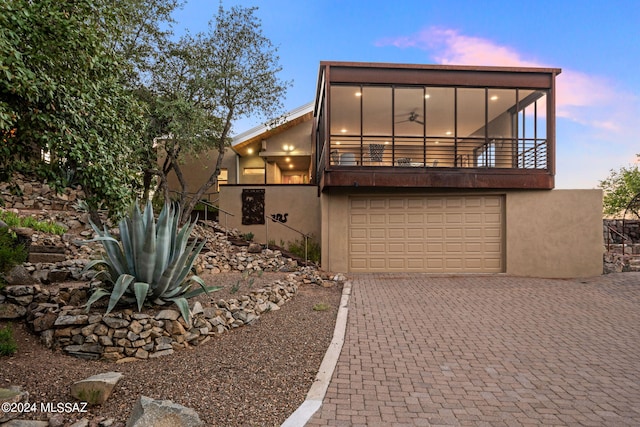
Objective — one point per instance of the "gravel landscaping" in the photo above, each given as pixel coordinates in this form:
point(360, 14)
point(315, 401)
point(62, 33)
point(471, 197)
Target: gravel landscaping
point(256, 375)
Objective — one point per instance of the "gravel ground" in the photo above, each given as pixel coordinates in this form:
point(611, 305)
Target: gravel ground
point(256, 375)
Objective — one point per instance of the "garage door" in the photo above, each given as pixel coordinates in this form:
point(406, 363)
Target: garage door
point(444, 234)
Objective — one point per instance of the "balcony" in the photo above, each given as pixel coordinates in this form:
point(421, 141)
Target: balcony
point(382, 125)
point(441, 162)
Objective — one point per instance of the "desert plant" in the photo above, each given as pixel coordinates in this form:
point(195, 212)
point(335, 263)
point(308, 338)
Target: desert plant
point(321, 306)
point(8, 344)
point(12, 252)
point(313, 249)
point(13, 220)
point(150, 263)
point(248, 279)
point(247, 236)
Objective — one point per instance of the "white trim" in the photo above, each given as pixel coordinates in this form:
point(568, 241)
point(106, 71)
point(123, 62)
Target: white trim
point(252, 133)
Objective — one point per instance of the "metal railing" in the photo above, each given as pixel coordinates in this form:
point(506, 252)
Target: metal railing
point(611, 230)
point(226, 214)
point(304, 235)
point(425, 152)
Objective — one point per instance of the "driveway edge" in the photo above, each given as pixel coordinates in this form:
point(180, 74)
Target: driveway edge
point(318, 389)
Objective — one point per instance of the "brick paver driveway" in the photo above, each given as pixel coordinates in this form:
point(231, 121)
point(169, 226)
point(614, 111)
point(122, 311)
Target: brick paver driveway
point(488, 351)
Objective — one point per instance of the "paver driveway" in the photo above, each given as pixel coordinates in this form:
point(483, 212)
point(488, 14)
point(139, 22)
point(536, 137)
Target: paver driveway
point(488, 351)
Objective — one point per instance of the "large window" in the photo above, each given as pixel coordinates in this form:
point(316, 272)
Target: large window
point(425, 126)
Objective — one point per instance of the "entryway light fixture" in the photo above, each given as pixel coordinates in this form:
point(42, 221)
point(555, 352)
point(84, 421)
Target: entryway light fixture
point(288, 148)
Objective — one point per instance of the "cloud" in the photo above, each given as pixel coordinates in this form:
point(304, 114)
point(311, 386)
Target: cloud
point(583, 98)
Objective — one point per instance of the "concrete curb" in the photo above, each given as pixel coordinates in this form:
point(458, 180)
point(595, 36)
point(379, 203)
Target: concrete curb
point(318, 389)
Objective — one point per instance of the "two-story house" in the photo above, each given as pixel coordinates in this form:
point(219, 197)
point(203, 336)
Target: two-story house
point(421, 168)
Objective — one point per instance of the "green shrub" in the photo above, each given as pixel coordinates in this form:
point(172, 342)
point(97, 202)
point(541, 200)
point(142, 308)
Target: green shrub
point(151, 262)
point(8, 344)
point(313, 249)
point(12, 253)
point(13, 220)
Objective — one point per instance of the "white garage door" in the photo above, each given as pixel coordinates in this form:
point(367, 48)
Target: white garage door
point(440, 234)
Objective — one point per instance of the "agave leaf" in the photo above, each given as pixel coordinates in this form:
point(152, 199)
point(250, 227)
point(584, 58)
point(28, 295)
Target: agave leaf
point(115, 257)
point(183, 306)
point(119, 288)
point(189, 263)
point(127, 248)
point(136, 227)
point(163, 242)
point(140, 289)
point(202, 289)
point(168, 281)
point(91, 264)
point(99, 293)
point(104, 276)
point(147, 257)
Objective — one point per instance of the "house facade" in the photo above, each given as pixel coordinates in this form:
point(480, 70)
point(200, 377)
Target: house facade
point(420, 168)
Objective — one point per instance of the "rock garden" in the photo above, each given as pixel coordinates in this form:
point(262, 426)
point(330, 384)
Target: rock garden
point(223, 351)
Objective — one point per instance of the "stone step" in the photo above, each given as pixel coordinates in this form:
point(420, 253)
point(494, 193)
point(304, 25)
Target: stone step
point(46, 254)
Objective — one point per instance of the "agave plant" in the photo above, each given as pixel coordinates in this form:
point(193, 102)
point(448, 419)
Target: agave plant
point(151, 263)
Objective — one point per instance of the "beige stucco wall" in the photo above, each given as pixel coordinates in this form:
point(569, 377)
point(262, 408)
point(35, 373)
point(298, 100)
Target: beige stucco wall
point(196, 171)
point(300, 202)
point(554, 233)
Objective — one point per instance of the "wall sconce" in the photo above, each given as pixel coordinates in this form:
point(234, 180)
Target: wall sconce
point(288, 148)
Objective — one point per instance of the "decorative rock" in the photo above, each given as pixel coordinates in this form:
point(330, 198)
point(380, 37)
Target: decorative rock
point(254, 248)
point(64, 320)
point(11, 311)
point(167, 315)
point(19, 275)
point(26, 423)
point(151, 413)
point(114, 322)
point(96, 389)
point(12, 395)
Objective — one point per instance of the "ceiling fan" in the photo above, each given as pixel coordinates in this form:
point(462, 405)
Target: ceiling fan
point(413, 117)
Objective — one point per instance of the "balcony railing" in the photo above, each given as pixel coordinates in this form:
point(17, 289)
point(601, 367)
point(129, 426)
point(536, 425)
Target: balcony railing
point(503, 153)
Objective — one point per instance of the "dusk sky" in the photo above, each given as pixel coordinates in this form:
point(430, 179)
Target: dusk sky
point(595, 43)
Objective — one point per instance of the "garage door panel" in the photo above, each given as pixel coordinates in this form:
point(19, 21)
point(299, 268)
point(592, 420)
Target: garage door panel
point(376, 233)
point(430, 233)
point(396, 233)
point(378, 204)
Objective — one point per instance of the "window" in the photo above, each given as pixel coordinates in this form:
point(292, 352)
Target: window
point(402, 125)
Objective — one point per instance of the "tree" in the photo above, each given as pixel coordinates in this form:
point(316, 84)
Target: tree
point(620, 187)
point(206, 82)
point(66, 72)
point(62, 95)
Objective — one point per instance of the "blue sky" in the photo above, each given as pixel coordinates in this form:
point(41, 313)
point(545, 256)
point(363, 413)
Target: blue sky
point(596, 43)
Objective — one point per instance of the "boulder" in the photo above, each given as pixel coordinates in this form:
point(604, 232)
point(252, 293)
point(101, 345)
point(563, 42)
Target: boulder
point(12, 311)
point(11, 395)
point(96, 389)
point(160, 413)
point(19, 275)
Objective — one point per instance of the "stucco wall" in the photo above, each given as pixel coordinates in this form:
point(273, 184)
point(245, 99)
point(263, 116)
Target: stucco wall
point(554, 233)
point(300, 202)
point(196, 171)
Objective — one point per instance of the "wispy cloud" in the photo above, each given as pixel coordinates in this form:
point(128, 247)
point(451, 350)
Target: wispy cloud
point(583, 98)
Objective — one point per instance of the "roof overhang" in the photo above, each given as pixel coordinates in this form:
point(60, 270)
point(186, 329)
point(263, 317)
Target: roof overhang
point(290, 119)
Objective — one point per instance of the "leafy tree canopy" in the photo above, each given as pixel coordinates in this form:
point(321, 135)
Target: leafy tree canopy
point(203, 83)
point(620, 187)
point(64, 69)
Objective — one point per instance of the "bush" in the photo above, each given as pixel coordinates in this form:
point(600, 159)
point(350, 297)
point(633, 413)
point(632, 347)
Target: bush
point(8, 345)
point(313, 249)
point(13, 220)
point(12, 252)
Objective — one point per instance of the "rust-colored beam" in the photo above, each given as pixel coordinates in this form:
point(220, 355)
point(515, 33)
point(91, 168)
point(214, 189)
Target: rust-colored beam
point(438, 178)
